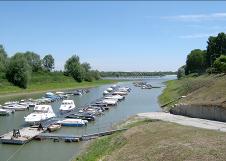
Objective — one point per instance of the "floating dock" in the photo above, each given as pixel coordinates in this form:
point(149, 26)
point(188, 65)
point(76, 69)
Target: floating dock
point(25, 135)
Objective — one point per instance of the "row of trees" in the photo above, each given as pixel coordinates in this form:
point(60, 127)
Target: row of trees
point(18, 68)
point(80, 71)
point(134, 74)
point(211, 60)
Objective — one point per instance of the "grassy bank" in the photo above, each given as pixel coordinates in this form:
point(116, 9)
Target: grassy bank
point(202, 90)
point(157, 140)
point(42, 82)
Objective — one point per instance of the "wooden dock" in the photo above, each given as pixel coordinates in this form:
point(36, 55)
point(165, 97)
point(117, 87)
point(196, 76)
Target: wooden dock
point(25, 135)
point(74, 138)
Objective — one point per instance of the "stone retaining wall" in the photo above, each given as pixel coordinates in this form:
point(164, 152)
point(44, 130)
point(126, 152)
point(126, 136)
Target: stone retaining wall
point(204, 112)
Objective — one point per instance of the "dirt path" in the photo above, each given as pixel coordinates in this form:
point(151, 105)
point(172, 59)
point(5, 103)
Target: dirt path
point(187, 121)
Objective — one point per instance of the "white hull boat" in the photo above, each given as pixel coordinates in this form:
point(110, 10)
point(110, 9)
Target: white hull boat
point(41, 112)
point(5, 112)
point(15, 107)
point(120, 93)
point(73, 122)
point(105, 92)
point(109, 89)
point(110, 101)
point(115, 97)
point(67, 105)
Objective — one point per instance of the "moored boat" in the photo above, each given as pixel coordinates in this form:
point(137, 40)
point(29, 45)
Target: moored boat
point(15, 107)
point(54, 127)
point(41, 112)
point(73, 122)
point(5, 112)
point(105, 92)
point(67, 105)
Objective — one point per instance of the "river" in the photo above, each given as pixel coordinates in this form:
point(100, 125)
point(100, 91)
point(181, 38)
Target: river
point(139, 100)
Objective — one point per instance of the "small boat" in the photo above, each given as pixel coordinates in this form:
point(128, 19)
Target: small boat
point(67, 105)
point(115, 97)
point(114, 86)
point(109, 89)
point(54, 127)
point(105, 92)
point(119, 93)
point(5, 112)
point(15, 107)
point(82, 116)
point(110, 101)
point(41, 112)
point(73, 122)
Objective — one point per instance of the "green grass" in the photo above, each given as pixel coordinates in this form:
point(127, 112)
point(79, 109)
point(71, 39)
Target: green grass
point(102, 146)
point(159, 141)
point(48, 81)
point(42, 82)
point(201, 90)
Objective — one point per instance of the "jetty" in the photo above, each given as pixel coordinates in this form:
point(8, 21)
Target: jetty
point(75, 138)
point(21, 136)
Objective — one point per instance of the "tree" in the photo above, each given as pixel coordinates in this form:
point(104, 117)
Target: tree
point(196, 62)
point(95, 74)
point(181, 72)
point(86, 66)
point(33, 60)
point(215, 48)
point(48, 62)
point(18, 71)
point(220, 64)
point(3, 59)
point(74, 68)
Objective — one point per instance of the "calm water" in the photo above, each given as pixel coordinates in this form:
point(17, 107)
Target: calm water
point(137, 101)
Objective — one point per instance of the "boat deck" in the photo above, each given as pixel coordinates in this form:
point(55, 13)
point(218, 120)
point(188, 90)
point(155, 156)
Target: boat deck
point(26, 134)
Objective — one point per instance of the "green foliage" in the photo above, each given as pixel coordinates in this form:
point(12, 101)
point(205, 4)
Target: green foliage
point(3, 59)
point(134, 74)
point(86, 66)
point(74, 68)
point(48, 62)
point(216, 47)
point(220, 64)
point(181, 72)
point(33, 60)
point(18, 71)
point(196, 62)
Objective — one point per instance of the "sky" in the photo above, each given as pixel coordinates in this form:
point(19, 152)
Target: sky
point(112, 35)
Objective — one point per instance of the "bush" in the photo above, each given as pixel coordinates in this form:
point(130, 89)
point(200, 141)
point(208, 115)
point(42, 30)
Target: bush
point(18, 71)
point(220, 64)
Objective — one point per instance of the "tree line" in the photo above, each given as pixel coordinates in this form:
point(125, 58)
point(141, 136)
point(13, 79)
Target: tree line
point(134, 74)
point(18, 68)
point(211, 60)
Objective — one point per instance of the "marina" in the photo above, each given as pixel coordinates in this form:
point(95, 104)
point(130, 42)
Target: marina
point(136, 101)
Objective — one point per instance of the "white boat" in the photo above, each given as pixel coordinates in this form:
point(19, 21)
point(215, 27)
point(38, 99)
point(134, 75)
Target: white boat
point(115, 97)
point(15, 107)
point(73, 122)
point(124, 89)
point(114, 86)
point(67, 105)
point(41, 112)
point(109, 89)
point(120, 93)
point(105, 92)
point(4, 112)
point(110, 101)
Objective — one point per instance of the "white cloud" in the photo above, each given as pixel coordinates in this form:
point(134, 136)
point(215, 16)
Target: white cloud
point(195, 36)
point(197, 17)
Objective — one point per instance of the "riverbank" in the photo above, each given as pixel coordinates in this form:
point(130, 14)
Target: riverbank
point(148, 139)
point(10, 92)
point(205, 90)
